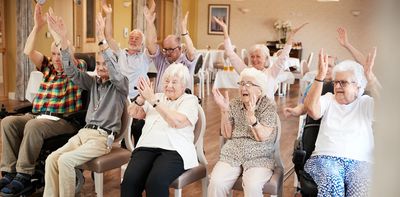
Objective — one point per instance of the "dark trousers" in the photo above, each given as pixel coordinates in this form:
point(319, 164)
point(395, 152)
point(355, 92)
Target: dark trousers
point(136, 130)
point(153, 170)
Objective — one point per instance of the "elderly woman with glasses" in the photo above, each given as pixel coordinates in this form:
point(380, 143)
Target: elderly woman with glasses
point(249, 123)
point(165, 149)
point(260, 58)
point(341, 162)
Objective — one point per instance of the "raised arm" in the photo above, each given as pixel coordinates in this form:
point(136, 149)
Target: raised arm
point(151, 33)
point(35, 56)
point(236, 61)
point(312, 101)
point(344, 41)
point(190, 50)
point(373, 85)
point(108, 26)
point(223, 103)
point(82, 79)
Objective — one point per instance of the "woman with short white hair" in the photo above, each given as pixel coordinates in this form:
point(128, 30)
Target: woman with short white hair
point(341, 162)
point(249, 123)
point(165, 149)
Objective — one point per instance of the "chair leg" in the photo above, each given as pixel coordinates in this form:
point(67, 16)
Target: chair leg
point(204, 186)
point(178, 193)
point(98, 184)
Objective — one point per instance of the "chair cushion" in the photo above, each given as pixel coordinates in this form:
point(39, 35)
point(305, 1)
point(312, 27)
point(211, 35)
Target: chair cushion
point(189, 176)
point(271, 187)
point(115, 159)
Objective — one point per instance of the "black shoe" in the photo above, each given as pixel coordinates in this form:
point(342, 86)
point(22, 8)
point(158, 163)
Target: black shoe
point(6, 179)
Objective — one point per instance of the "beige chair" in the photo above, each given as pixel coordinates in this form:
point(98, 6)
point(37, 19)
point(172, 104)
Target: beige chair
point(274, 186)
point(116, 158)
point(204, 76)
point(200, 172)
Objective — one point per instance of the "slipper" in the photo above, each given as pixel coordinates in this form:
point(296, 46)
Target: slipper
point(16, 187)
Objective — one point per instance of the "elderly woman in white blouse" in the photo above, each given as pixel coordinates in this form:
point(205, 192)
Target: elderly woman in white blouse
point(260, 58)
point(341, 162)
point(165, 149)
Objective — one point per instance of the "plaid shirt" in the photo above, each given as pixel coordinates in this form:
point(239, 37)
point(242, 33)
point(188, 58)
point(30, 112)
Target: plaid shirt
point(57, 93)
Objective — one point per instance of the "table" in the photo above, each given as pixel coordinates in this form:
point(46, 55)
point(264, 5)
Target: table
point(291, 62)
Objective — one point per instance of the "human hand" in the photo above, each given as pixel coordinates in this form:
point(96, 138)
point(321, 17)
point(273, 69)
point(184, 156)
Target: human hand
point(40, 18)
point(322, 65)
point(291, 112)
point(100, 26)
point(56, 25)
point(222, 102)
point(145, 88)
point(222, 24)
point(184, 23)
point(370, 64)
point(150, 14)
point(342, 37)
point(107, 9)
point(294, 31)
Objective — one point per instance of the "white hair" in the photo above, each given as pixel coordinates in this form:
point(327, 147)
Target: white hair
point(140, 32)
point(264, 49)
point(259, 77)
point(177, 70)
point(358, 73)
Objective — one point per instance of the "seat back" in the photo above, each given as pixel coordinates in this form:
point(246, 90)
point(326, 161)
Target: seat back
point(35, 79)
point(199, 131)
point(125, 132)
point(199, 64)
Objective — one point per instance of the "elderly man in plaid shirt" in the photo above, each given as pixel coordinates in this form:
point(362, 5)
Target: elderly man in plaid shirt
point(23, 136)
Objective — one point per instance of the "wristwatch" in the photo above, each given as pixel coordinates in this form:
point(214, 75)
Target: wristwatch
point(253, 125)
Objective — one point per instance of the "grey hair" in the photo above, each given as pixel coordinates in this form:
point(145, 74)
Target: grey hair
point(177, 70)
point(140, 32)
point(264, 49)
point(259, 77)
point(358, 73)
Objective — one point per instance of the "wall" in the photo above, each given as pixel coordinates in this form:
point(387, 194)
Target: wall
point(256, 26)
point(121, 19)
point(11, 43)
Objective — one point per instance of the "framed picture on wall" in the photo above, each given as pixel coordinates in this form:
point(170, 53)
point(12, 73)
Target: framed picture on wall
point(221, 11)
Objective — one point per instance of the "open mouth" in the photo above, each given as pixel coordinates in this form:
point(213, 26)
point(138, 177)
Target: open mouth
point(245, 94)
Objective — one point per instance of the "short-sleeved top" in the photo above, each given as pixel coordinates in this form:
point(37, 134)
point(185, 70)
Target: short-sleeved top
point(57, 93)
point(242, 148)
point(162, 64)
point(156, 132)
point(133, 66)
point(346, 130)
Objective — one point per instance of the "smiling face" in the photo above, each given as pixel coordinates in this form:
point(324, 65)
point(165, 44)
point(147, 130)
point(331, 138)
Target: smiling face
point(173, 87)
point(258, 59)
point(345, 87)
point(249, 89)
point(135, 40)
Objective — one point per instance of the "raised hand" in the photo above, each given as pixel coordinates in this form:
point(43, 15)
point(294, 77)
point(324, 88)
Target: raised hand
point(294, 31)
point(184, 23)
point(145, 89)
point(370, 62)
point(222, 24)
point(322, 65)
point(40, 18)
point(342, 36)
point(100, 26)
point(106, 8)
point(222, 102)
point(150, 13)
point(56, 24)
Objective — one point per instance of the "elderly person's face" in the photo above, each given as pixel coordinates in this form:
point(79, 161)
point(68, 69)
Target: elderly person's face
point(258, 59)
point(56, 57)
point(135, 40)
point(101, 67)
point(171, 49)
point(345, 87)
point(248, 89)
point(173, 87)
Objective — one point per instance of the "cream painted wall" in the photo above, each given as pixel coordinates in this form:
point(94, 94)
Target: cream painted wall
point(256, 26)
point(122, 19)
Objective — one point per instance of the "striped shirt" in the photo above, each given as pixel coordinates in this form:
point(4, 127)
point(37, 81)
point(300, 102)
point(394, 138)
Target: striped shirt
point(57, 93)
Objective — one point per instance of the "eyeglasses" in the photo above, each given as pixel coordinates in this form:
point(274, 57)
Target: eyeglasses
point(169, 50)
point(247, 84)
point(343, 83)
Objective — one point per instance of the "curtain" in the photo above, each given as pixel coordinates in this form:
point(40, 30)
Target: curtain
point(138, 21)
point(176, 18)
point(24, 67)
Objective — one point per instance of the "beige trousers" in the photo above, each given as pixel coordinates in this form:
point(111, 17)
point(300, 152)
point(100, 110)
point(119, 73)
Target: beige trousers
point(22, 138)
point(60, 165)
point(224, 176)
